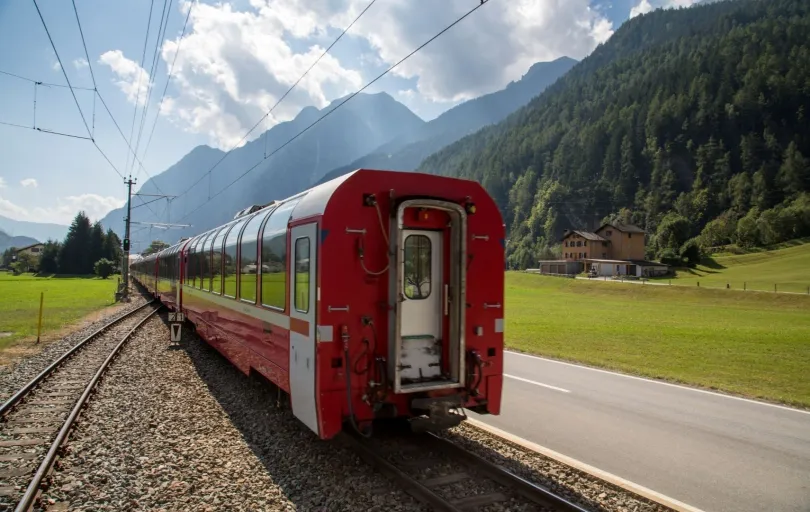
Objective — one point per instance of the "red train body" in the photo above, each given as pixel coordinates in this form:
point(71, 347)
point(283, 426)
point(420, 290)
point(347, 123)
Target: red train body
point(378, 294)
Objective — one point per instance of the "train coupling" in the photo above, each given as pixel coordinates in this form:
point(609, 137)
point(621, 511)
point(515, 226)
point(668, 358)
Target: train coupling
point(439, 413)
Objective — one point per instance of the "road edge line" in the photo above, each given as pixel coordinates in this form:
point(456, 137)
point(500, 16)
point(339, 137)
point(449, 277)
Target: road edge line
point(625, 484)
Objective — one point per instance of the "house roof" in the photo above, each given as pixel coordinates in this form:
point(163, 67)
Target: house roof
point(621, 226)
point(587, 235)
point(21, 249)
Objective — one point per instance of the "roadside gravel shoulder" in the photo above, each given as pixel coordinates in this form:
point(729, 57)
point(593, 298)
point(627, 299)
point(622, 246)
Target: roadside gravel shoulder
point(575, 485)
point(177, 427)
point(20, 371)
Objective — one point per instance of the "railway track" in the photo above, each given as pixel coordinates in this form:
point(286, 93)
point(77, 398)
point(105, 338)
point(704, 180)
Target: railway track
point(449, 478)
point(36, 420)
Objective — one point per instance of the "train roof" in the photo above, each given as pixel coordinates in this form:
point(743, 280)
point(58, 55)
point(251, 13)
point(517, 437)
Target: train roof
point(311, 202)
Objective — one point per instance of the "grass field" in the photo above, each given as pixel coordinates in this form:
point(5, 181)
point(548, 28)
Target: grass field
point(752, 344)
point(787, 267)
point(66, 300)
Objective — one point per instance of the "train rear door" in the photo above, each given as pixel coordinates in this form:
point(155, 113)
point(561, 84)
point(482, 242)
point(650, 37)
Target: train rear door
point(303, 265)
point(429, 290)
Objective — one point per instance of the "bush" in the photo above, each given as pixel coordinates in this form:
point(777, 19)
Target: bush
point(670, 257)
point(103, 268)
point(691, 252)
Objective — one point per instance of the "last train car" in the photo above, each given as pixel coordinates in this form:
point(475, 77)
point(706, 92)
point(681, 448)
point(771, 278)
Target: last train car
point(378, 294)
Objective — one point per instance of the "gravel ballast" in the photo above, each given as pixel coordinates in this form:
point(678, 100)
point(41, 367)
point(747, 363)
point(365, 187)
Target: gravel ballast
point(177, 427)
point(16, 375)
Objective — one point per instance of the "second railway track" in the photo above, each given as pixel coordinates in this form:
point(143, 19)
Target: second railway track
point(36, 420)
point(449, 478)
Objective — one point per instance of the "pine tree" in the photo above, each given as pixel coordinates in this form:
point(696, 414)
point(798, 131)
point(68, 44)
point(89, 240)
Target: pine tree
point(74, 256)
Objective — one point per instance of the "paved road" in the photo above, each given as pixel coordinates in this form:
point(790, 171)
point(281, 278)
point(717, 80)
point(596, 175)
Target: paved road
point(707, 450)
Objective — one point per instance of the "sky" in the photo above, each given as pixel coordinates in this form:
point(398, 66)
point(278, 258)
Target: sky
point(234, 62)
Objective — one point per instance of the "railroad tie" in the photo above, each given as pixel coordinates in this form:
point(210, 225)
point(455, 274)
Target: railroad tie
point(472, 502)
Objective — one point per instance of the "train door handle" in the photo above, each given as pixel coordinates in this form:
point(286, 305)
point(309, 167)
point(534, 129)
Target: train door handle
point(307, 363)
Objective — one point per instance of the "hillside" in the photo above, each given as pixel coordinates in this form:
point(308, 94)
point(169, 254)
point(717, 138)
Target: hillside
point(362, 124)
point(42, 231)
point(786, 267)
point(407, 151)
point(683, 117)
point(7, 241)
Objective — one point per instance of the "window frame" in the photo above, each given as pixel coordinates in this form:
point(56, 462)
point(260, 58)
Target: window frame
point(287, 206)
point(430, 264)
point(295, 273)
point(240, 223)
point(258, 256)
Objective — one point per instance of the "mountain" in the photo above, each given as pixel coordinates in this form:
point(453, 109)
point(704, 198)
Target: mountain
point(359, 126)
point(691, 123)
point(407, 151)
point(19, 242)
point(38, 230)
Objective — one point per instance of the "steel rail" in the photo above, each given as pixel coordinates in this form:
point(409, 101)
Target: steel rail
point(33, 487)
point(503, 476)
point(410, 484)
point(23, 392)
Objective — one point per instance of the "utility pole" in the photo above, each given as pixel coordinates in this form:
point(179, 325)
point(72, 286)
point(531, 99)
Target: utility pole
point(125, 264)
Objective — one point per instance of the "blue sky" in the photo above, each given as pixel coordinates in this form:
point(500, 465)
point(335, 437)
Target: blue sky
point(234, 62)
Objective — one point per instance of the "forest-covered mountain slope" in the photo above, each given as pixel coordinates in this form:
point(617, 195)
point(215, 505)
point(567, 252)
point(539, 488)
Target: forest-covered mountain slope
point(692, 123)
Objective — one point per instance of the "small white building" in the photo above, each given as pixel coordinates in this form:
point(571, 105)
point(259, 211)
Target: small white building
point(634, 268)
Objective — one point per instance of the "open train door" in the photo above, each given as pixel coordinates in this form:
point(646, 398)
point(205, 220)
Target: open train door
point(303, 266)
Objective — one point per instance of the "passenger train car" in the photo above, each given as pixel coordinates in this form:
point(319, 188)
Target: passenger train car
point(378, 294)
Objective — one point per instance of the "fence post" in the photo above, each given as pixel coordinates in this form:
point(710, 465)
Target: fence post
point(744, 285)
point(698, 284)
point(774, 287)
point(39, 327)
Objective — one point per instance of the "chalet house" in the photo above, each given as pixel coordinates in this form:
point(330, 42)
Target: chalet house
point(35, 250)
point(615, 249)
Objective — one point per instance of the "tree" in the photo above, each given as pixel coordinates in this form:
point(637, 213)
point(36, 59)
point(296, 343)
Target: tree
point(96, 249)
point(8, 256)
point(73, 256)
point(691, 253)
point(49, 259)
point(155, 246)
point(112, 247)
point(103, 268)
point(25, 262)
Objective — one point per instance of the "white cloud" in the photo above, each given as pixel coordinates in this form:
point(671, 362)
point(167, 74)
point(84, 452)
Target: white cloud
point(64, 209)
point(81, 63)
point(132, 79)
point(645, 6)
point(234, 64)
point(55, 66)
point(29, 182)
point(2, 182)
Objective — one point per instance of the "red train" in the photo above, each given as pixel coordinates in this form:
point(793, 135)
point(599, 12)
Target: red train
point(378, 294)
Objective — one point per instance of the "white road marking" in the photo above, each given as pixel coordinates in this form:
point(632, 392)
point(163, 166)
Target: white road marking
point(586, 468)
point(549, 386)
point(697, 390)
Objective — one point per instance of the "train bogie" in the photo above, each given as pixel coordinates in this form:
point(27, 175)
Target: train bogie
point(377, 294)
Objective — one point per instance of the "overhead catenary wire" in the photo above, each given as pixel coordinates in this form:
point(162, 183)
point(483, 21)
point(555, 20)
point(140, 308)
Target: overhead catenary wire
point(348, 98)
point(140, 73)
point(72, 92)
point(168, 79)
point(164, 23)
point(266, 115)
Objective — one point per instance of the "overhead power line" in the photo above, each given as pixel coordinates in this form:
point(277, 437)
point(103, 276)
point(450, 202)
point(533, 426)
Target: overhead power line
point(479, 5)
point(72, 92)
point(140, 72)
point(279, 100)
point(168, 79)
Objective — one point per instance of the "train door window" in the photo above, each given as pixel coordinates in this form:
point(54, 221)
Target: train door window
point(248, 259)
point(229, 260)
point(418, 264)
point(274, 257)
point(216, 261)
point(302, 275)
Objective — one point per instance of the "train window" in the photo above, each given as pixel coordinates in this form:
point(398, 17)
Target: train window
point(274, 257)
point(204, 256)
point(207, 276)
point(302, 275)
point(216, 261)
point(248, 259)
point(417, 262)
point(191, 277)
point(229, 259)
